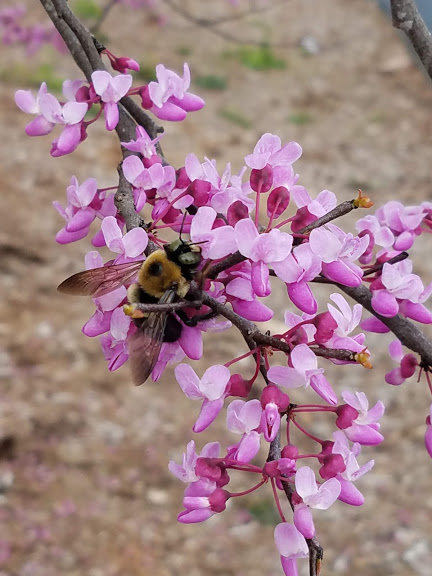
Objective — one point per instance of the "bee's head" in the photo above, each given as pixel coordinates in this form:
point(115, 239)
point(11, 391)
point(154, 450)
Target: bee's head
point(185, 254)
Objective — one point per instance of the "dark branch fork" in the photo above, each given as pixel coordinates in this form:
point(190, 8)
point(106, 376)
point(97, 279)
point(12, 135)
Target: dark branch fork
point(84, 50)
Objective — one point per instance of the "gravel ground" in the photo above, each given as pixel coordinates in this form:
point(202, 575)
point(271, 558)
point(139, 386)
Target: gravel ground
point(84, 483)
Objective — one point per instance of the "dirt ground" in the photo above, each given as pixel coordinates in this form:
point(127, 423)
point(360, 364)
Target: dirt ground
point(84, 484)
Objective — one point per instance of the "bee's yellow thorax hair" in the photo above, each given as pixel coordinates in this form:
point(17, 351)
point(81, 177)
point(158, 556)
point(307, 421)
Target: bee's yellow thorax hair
point(159, 274)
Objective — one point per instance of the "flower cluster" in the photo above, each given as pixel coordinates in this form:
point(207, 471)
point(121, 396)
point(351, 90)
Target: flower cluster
point(257, 224)
point(168, 99)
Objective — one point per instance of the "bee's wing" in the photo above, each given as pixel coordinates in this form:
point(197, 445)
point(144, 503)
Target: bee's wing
point(145, 344)
point(99, 281)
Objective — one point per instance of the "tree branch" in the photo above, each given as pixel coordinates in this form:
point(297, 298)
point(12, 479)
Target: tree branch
point(406, 17)
point(402, 328)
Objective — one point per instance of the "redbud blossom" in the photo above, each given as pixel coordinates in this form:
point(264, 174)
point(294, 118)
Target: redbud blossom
point(111, 89)
point(210, 388)
point(364, 429)
point(338, 251)
point(291, 545)
point(312, 496)
point(186, 471)
point(296, 270)
point(396, 282)
point(408, 364)
point(143, 144)
point(131, 245)
point(244, 418)
point(269, 150)
point(218, 242)
point(304, 372)
point(349, 493)
point(168, 98)
point(197, 502)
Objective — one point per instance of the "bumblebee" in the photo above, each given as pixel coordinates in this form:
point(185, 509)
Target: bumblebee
point(163, 277)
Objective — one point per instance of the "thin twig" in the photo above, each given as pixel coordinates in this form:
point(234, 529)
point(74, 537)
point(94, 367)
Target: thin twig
point(167, 307)
point(211, 25)
point(105, 11)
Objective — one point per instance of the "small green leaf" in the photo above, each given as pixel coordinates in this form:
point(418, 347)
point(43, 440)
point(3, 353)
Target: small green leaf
point(211, 82)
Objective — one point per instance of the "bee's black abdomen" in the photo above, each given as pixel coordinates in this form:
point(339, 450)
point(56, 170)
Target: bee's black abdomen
point(173, 329)
point(146, 298)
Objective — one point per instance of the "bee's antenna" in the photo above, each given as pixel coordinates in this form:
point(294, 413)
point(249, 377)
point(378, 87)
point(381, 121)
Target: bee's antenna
point(181, 227)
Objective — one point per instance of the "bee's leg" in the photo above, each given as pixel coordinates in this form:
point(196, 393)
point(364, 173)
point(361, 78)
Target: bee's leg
point(194, 320)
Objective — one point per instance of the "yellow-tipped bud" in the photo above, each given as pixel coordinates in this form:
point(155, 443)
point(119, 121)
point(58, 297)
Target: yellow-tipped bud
point(363, 358)
point(362, 201)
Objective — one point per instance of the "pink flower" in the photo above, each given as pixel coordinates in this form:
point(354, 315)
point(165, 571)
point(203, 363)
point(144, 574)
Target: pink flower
point(396, 283)
point(263, 250)
point(111, 90)
point(304, 372)
point(407, 364)
point(186, 471)
point(50, 112)
point(403, 221)
point(346, 321)
point(131, 245)
point(158, 177)
point(202, 499)
point(338, 251)
point(364, 429)
point(84, 204)
point(210, 389)
point(269, 150)
point(30, 104)
point(378, 234)
point(312, 496)
point(291, 545)
point(349, 493)
point(240, 294)
point(322, 204)
point(217, 242)
point(244, 418)
point(168, 98)
point(273, 402)
point(143, 144)
point(114, 344)
point(299, 268)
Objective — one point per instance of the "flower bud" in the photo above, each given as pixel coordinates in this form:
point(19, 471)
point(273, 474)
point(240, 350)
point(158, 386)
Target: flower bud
point(333, 464)
point(218, 499)
point(408, 365)
point(237, 211)
point(325, 325)
point(346, 415)
point(290, 451)
point(238, 386)
point(278, 201)
point(261, 180)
